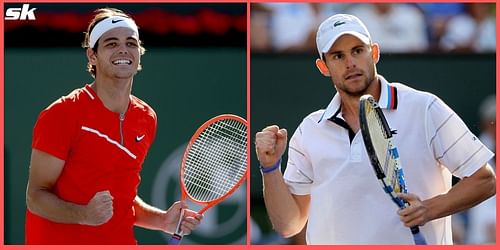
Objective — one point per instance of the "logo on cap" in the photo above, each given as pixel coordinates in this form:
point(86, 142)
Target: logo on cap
point(116, 20)
point(338, 23)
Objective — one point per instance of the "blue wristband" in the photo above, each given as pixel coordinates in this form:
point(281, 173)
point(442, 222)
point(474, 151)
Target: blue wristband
point(271, 168)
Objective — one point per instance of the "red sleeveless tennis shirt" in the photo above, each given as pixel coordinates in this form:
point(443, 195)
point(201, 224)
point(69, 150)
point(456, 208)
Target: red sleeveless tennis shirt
point(101, 152)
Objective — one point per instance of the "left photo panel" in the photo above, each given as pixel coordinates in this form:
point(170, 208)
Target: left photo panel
point(125, 123)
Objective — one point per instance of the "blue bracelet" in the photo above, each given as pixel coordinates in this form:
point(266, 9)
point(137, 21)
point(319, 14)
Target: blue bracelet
point(270, 169)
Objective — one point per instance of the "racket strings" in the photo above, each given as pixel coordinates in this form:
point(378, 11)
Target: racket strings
point(204, 183)
point(217, 160)
point(203, 186)
point(383, 148)
point(230, 139)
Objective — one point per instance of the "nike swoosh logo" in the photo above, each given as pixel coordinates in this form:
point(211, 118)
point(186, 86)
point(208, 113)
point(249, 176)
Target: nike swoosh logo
point(116, 20)
point(338, 23)
point(139, 138)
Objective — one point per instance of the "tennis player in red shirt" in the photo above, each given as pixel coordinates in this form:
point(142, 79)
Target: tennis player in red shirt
point(88, 149)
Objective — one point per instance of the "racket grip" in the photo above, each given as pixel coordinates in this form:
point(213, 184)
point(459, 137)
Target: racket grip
point(418, 237)
point(175, 240)
point(177, 236)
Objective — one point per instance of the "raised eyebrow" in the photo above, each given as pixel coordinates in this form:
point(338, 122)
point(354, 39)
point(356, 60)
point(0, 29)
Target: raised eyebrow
point(333, 53)
point(110, 39)
point(132, 38)
point(358, 46)
point(116, 39)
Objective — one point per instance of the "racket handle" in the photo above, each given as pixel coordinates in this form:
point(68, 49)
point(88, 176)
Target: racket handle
point(175, 240)
point(418, 237)
point(177, 236)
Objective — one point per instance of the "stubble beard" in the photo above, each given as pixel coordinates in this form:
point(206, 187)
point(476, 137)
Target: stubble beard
point(359, 91)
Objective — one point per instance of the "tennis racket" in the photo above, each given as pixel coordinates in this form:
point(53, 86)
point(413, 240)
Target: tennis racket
point(383, 154)
point(214, 164)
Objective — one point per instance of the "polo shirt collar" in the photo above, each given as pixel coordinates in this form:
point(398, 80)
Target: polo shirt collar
point(388, 96)
point(388, 99)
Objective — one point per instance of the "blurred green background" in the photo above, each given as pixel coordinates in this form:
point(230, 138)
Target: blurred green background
point(185, 87)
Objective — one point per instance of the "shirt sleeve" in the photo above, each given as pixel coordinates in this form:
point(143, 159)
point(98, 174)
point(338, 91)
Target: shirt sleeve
point(298, 173)
point(54, 130)
point(452, 143)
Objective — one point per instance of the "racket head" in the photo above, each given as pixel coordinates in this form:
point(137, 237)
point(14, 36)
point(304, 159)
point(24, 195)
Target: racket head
point(380, 148)
point(383, 154)
point(214, 163)
point(374, 128)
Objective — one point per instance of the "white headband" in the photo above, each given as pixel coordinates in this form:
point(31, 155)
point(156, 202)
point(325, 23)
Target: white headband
point(111, 23)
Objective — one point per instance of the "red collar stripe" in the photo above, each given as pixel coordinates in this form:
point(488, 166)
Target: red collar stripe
point(392, 97)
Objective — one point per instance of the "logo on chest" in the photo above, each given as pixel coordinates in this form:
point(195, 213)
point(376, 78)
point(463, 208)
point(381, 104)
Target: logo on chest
point(139, 138)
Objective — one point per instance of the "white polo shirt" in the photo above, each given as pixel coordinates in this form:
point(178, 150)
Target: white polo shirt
point(348, 206)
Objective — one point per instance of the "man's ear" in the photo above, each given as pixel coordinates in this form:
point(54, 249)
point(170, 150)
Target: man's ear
point(91, 56)
point(375, 53)
point(322, 67)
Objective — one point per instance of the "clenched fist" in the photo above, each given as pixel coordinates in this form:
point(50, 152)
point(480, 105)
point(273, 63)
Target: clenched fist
point(270, 144)
point(99, 210)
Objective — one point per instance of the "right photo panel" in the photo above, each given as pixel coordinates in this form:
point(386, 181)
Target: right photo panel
point(373, 123)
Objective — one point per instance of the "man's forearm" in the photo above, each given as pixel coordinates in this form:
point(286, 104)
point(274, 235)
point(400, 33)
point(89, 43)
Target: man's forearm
point(47, 205)
point(145, 215)
point(282, 208)
point(467, 193)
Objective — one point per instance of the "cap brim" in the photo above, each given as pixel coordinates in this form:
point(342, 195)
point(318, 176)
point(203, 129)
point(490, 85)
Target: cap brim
point(330, 43)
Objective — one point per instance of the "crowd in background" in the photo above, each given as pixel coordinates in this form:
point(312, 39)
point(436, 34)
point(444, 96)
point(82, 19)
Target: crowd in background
point(397, 27)
point(477, 225)
point(162, 24)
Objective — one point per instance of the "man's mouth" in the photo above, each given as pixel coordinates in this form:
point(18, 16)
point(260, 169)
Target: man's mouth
point(122, 62)
point(353, 75)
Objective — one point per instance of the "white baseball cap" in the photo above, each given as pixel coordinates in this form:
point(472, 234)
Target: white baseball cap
point(337, 25)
